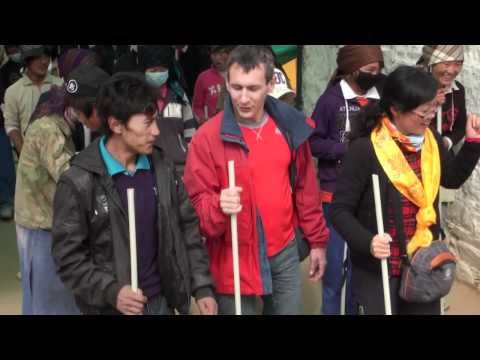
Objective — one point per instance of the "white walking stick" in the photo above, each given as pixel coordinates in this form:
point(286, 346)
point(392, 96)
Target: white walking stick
point(439, 129)
point(133, 238)
point(378, 211)
point(233, 221)
point(205, 112)
point(439, 120)
point(344, 287)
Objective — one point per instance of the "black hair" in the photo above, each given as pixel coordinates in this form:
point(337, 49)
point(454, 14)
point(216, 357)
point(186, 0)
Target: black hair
point(122, 96)
point(405, 89)
point(29, 59)
point(220, 48)
point(81, 103)
point(249, 57)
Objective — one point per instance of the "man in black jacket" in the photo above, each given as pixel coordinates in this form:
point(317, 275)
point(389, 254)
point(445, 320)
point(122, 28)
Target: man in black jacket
point(90, 226)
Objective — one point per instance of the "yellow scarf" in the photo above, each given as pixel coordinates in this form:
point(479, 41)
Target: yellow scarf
point(406, 181)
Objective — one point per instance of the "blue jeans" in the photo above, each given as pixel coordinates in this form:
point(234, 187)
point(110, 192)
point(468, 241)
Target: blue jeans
point(7, 170)
point(332, 282)
point(43, 291)
point(158, 306)
point(286, 281)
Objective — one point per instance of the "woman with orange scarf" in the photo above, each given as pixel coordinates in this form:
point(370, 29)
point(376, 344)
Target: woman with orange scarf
point(393, 139)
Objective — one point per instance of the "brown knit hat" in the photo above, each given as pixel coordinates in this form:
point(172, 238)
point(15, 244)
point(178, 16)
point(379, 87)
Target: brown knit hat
point(350, 58)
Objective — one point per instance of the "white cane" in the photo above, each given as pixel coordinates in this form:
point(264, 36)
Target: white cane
point(205, 112)
point(439, 120)
point(233, 221)
point(378, 211)
point(344, 287)
point(133, 238)
point(439, 130)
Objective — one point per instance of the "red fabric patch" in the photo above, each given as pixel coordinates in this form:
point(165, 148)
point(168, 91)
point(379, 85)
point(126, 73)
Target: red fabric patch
point(475, 140)
point(362, 101)
point(311, 123)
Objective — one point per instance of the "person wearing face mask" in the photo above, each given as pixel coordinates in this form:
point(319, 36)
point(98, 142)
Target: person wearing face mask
point(392, 138)
point(445, 63)
point(353, 85)
point(22, 97)
point(47, 150)
point(176, 123)
point(209, 83)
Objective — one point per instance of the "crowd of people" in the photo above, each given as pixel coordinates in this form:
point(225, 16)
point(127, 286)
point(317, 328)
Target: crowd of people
point(89, 122)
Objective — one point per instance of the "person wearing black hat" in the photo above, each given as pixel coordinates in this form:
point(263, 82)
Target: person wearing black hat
point(46, 153)
point(176, 123)
point(90, 226)
point(22, 97)
point(210, 82)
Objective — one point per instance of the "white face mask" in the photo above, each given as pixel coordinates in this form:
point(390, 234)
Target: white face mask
point(417, 141)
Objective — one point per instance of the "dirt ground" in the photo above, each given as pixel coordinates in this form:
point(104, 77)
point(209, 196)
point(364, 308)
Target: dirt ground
point(463, 299)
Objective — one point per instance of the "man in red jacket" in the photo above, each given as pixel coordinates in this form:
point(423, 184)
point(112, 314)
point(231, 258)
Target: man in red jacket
point(276, 191)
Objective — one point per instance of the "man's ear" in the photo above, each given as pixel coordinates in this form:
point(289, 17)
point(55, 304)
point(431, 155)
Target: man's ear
point(115, 125)
point(271, 85)
point(94, 121)
point(394, 111)
point(227, 86)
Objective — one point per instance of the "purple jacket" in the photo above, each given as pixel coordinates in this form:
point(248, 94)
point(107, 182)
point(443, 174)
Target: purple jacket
point(329, 140)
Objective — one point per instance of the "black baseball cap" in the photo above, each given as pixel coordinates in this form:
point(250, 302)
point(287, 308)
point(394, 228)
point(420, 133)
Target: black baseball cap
point(85, 81)
point(29, 51)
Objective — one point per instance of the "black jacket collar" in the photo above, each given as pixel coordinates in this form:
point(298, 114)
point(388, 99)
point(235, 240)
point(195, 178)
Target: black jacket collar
point(90, 159)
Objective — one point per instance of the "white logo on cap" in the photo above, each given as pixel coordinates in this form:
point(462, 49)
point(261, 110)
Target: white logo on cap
point(72, 86)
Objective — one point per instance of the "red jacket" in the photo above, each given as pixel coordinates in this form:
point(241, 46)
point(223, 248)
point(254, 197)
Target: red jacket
point(206, 175)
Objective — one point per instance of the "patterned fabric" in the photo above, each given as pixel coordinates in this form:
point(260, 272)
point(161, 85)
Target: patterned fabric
point(435, 54)
point(421, 192)
point(409, 213)
point(399, 137)
point(47, 149)
point(50, 103)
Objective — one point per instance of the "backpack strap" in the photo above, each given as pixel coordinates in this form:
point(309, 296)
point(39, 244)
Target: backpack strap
point(397, 210)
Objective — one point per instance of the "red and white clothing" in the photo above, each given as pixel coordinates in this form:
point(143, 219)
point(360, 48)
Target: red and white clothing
point(206, 92)
point(221, 140)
